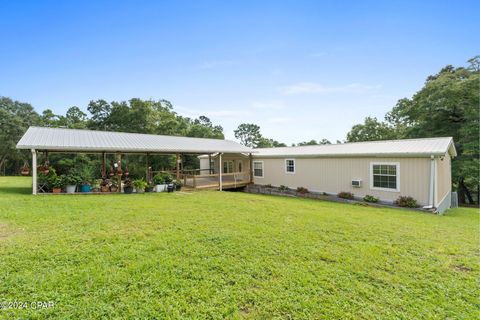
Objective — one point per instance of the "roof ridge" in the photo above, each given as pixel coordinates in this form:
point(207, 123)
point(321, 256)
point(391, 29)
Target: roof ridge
point(133, 133)
point(358, 142)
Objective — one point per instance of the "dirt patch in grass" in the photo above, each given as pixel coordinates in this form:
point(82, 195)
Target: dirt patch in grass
point(462, 268)
point(6, 231)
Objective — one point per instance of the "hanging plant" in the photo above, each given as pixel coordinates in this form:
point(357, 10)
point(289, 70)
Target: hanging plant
point(43, 169)
point(25, 170)
point(126, 173)
point(119, 169)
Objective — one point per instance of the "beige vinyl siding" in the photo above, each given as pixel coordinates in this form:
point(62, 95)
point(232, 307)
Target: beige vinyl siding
point(236, 158)
point(333, 175)
point(444, 178)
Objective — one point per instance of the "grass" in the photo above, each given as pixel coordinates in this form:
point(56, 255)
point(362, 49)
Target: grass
point(232, 255)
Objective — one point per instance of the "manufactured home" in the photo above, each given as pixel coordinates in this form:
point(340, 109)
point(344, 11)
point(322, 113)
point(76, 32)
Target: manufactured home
point(420, 168)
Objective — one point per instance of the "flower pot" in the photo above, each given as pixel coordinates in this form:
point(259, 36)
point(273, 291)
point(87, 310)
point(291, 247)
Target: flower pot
point(85, 188)
point(105, 189)
point(160, 187)
point(178, 187)
point(139, 190)
point(25, 172)
point(57, 190)
point(113, 188)
point(128, 190)
point(170, 187)
point(71, 188)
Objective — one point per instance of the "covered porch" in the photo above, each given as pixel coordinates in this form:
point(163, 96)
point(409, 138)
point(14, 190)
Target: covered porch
point(220, 173)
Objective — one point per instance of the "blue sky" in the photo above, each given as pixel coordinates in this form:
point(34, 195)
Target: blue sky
point(300, 69)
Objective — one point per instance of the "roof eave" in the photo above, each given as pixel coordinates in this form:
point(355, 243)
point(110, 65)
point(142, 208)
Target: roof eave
point(362, 155)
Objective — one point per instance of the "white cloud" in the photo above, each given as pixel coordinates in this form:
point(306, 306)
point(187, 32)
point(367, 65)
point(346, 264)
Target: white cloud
point(312, 87)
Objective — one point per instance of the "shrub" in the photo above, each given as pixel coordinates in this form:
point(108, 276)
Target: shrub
point(268, 185)
point(302, 190)
point(369, 198)
point(162, 178)
point(283, 188)
point(345, 195)
point(140, 184)
point(178, 183)
point(408, 202)
point(72, 179)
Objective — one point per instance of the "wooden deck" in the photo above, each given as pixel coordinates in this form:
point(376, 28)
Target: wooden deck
point(212, 181)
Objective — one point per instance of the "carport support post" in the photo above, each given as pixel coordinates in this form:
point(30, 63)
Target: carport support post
point(178, 167)
point(250, 157)
point(119, 168)
point(34, 171)
point(210, 164)
point(220, 182)
point(147, 170)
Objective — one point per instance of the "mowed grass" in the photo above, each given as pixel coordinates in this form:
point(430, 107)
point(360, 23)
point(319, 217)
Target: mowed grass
point(232, 255)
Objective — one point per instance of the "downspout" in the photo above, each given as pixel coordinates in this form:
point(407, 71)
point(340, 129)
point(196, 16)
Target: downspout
point(431, 194)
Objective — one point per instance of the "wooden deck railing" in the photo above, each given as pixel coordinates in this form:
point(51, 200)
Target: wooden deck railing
point(213, 180)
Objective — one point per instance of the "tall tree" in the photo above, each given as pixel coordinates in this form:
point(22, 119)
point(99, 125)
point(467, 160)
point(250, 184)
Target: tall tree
point(248, 134)
point(15, 118)
point(370, 130)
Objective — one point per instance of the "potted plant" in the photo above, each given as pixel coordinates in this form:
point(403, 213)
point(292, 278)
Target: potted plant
point(150, 187)
point(178, 185)
point(159, 182)
point(105, 185)
point(57, 183)
point(128, 186)
point(71, 181)
point(140, 185)
point(96, 185)
point(113, 186)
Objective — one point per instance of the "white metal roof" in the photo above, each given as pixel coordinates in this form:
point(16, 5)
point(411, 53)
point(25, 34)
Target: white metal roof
point(61, 139)
point(387, 148)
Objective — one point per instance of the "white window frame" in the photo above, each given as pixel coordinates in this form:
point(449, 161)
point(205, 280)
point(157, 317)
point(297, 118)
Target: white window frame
point(396, 164)
point(294, 166)
point(228, 162)
point(263, 169)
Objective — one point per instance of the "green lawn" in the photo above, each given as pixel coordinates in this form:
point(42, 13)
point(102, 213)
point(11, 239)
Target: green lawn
point(232, 255)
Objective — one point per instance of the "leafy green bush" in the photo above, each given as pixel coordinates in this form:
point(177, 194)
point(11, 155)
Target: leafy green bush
point(283, 188)
point(369, 198)
point(302, 190)
point(71, 179)
point(140, 184)
point(406, 201)
point(345, 195)
point(162, 178)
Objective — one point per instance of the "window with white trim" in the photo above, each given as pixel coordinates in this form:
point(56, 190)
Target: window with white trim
point(290, 166)
point(385, 176)
point(258, 169)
